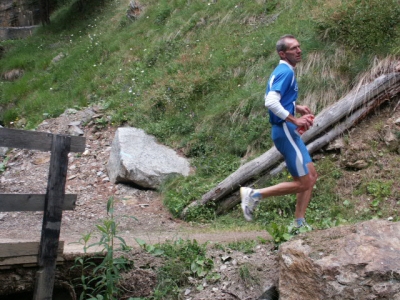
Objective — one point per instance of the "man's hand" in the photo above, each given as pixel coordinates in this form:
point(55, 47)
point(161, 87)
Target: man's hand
point(303, 110)
point(305, 121)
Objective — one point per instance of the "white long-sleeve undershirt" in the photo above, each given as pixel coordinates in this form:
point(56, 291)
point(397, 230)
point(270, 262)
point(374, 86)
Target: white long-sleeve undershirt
point(272, 102)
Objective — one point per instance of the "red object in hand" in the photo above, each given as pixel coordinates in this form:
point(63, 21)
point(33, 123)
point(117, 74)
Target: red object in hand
point(302, 129)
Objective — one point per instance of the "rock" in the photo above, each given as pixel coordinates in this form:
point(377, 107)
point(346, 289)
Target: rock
point(21, 123)
point(75, 130)
point(270, 293)
point(390, 139)
point(58, 58)
point(337, 144)
point(13, 75)
point(69, 111)
point(134, 11)
point(361, 261)
point(3, 150)
point(75, 123)
point(358, 165)
point(19, 13)
point(137, 158)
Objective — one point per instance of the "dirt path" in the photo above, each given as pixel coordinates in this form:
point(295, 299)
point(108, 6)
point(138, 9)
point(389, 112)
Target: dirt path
point(139, 213)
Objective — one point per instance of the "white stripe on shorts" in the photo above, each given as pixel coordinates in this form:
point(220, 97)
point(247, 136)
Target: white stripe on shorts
point(299, 157)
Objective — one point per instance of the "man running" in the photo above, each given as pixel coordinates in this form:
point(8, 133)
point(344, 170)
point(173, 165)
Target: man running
point(280, 99)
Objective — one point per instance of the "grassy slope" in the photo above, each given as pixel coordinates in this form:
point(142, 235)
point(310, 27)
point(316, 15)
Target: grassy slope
point(192, 73)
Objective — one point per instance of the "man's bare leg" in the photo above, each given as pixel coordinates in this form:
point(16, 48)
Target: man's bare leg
point(302, 186)
point(303, 198)
point(299, 185)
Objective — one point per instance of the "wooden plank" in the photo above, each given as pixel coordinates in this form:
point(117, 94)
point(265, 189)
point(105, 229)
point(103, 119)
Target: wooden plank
point(35, 140)
point(32, 202)
point(24, 260)
point(58, 263)
point(52, 217)
point(23, 249)
point(5, 267)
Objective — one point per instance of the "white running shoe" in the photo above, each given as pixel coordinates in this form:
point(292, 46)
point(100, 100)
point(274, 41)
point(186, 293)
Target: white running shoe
point(248, 202)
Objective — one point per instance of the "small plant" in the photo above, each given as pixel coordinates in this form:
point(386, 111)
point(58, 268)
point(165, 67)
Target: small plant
point(328, 223)
point(280, 233)
point(101, 123)
point(201, 266)
point(100, 281)
point(246, 275)
point(149, 248)
point(379, 189)
point(84, 264)
point(3, 164)
point(246, 247)
point(294, 230)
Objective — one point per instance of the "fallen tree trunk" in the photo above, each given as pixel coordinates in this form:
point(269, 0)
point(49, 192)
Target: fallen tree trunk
point(367, 97)
point(381, 87)
point(228, 203)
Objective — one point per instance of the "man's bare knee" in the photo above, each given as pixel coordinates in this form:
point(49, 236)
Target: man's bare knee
point(314, 178)
point(303, 185)
point(306, 182)
point(312, 173)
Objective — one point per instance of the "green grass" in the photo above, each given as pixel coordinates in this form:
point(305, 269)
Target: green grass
point(193, 74)
point(183, 259)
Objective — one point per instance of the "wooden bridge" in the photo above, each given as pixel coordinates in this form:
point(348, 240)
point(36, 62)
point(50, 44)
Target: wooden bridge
point(47, 252)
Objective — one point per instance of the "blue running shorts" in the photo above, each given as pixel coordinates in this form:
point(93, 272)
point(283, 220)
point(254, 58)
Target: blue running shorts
point(291, 146)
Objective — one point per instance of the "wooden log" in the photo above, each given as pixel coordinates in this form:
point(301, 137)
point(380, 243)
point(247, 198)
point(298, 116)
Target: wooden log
point(52, 217)
point(383, 87)
point(34, 140)
point(31, 202)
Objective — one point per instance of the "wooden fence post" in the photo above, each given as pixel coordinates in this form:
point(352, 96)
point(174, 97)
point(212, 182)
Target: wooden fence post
point(53, 203)
point(52, 217)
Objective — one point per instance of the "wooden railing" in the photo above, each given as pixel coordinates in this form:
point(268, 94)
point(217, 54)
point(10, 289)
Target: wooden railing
point(52, 203)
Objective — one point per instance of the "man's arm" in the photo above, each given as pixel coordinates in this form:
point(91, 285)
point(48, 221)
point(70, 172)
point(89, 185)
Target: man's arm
point(272, 102)
point(303, 110)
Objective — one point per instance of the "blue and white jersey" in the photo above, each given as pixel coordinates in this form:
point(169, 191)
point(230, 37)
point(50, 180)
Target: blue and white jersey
point(283, 81)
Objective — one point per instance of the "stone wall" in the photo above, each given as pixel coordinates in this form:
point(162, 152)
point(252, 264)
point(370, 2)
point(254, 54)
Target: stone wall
point(19, 13)
point(11, 33)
